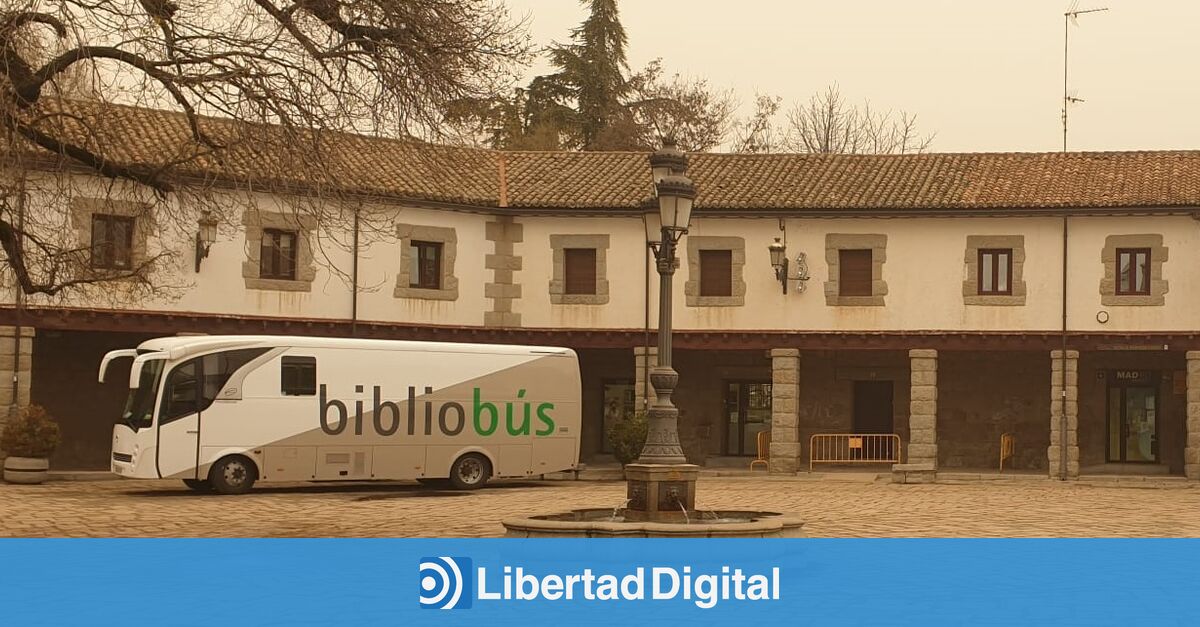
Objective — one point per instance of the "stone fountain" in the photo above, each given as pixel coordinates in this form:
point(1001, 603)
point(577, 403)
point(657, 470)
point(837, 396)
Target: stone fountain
point(661, 484)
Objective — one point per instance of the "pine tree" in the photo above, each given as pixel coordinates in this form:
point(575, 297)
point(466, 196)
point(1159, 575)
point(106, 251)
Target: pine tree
point(593, 70)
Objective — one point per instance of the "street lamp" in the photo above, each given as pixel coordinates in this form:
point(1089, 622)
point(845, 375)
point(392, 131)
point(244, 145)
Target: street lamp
point(662, 485)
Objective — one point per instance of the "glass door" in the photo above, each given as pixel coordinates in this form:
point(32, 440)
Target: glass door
point(1133, 424)
point(747, 413)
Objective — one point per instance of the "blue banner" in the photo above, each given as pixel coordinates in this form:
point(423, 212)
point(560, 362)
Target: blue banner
point(599, 582)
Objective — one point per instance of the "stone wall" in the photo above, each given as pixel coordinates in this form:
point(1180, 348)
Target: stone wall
point(64, 382)
point(982, 395)
point(598, 366)
point(827, 391)
point(701, 395)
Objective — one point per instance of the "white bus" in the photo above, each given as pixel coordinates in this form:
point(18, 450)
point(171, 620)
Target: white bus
point(222, 412)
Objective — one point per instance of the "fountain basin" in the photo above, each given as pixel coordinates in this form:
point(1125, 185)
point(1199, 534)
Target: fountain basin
point(607, 523)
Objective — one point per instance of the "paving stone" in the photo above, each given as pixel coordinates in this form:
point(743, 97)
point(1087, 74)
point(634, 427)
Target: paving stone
point(831, 508)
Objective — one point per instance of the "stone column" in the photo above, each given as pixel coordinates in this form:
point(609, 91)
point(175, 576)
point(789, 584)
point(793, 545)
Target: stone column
point(1064, 370)
point(920, 465)
point(1191, 453)
point(785, 450)
point(645, 358)
point(12, 364)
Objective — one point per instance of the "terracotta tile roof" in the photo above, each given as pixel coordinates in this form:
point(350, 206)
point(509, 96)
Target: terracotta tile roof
point(412, 170)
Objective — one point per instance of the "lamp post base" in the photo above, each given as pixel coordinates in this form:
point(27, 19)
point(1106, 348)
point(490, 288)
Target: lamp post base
point(661, 492)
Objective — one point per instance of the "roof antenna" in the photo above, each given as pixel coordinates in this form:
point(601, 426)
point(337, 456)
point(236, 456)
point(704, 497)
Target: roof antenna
point(1071, 16)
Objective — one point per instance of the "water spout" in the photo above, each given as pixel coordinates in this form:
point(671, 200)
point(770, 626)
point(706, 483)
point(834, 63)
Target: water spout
point(686, 519)
point(617, 509)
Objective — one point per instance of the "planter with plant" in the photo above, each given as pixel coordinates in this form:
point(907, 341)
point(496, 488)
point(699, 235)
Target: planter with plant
point(627, 437)
point(28, 440)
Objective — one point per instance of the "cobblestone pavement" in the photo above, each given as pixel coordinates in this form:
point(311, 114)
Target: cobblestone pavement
point(831, 508)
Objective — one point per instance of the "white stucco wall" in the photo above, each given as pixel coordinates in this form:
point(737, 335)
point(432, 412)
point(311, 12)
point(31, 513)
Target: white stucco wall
point(924, 272)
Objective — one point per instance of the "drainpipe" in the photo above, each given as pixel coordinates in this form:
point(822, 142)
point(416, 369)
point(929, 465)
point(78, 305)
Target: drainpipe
point(1062, 418)
point(19, 304)
point(646, 323)
point(354, 280)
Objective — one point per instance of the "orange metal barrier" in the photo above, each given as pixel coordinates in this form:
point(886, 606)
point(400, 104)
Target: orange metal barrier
point(1006, 448)
point(853, 448)
point(764, 449)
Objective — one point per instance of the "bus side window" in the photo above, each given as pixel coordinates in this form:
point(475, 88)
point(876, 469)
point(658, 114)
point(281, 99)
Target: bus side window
point(298, 376)
point(219, 368)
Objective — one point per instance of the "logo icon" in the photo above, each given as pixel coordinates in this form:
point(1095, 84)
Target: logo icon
point(443, 581)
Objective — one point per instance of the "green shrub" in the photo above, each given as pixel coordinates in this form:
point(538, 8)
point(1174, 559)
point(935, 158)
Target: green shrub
point(627, 437)
point(32, 433)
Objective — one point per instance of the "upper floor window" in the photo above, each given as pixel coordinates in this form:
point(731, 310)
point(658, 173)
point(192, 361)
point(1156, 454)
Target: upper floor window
point(1133, 271)
point(854, 272)
point(995, 271)
point(278, 260)
point(425, 269)
point(579, 270)
point(716, 273)
point(112, 242)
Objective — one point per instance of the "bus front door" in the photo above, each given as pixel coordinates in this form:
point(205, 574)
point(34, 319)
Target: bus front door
point(179, 423)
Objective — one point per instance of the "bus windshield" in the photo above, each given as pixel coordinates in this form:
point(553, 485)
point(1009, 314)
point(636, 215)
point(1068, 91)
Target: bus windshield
point(139, 407)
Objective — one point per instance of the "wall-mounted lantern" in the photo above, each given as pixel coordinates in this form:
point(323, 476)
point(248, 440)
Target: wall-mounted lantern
point(779, 261)
point(206, 234)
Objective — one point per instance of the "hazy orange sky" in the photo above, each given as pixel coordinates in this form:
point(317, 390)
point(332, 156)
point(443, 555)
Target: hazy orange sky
point(985, 76)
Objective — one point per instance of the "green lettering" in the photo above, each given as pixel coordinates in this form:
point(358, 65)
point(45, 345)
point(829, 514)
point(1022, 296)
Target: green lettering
point(479, 409)
point(544, 416)
point(508, 418)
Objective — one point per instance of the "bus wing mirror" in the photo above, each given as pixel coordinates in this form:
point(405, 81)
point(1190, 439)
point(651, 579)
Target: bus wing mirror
point(111, 355)
point(135, 372)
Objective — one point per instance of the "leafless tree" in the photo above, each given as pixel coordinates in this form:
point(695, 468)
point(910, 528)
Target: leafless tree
point(827, 123)
point(758, 133)
point(684, 108)
point(264, 89)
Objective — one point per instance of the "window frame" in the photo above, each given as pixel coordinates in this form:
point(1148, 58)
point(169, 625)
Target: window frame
point(269, 265)
point(426, 279)
point(995, 274)
point(867, 289)
point(107, 260)
point(568, 284)
point(1133, 290)
point(704, 276)
point(297, 360)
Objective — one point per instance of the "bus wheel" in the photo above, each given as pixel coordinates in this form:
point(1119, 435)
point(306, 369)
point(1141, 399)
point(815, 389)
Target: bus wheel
point(470, 472)
point(233, 475)
point(198, 485)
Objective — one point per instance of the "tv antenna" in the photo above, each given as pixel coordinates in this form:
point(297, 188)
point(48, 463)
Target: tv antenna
point(1069, 99)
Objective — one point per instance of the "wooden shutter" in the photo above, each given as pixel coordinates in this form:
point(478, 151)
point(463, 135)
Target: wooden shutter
point(579, 270)
point(716, 273)
point(854, 272)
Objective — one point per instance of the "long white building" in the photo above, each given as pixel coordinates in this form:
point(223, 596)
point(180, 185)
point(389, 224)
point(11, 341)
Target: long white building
point(940, 291)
